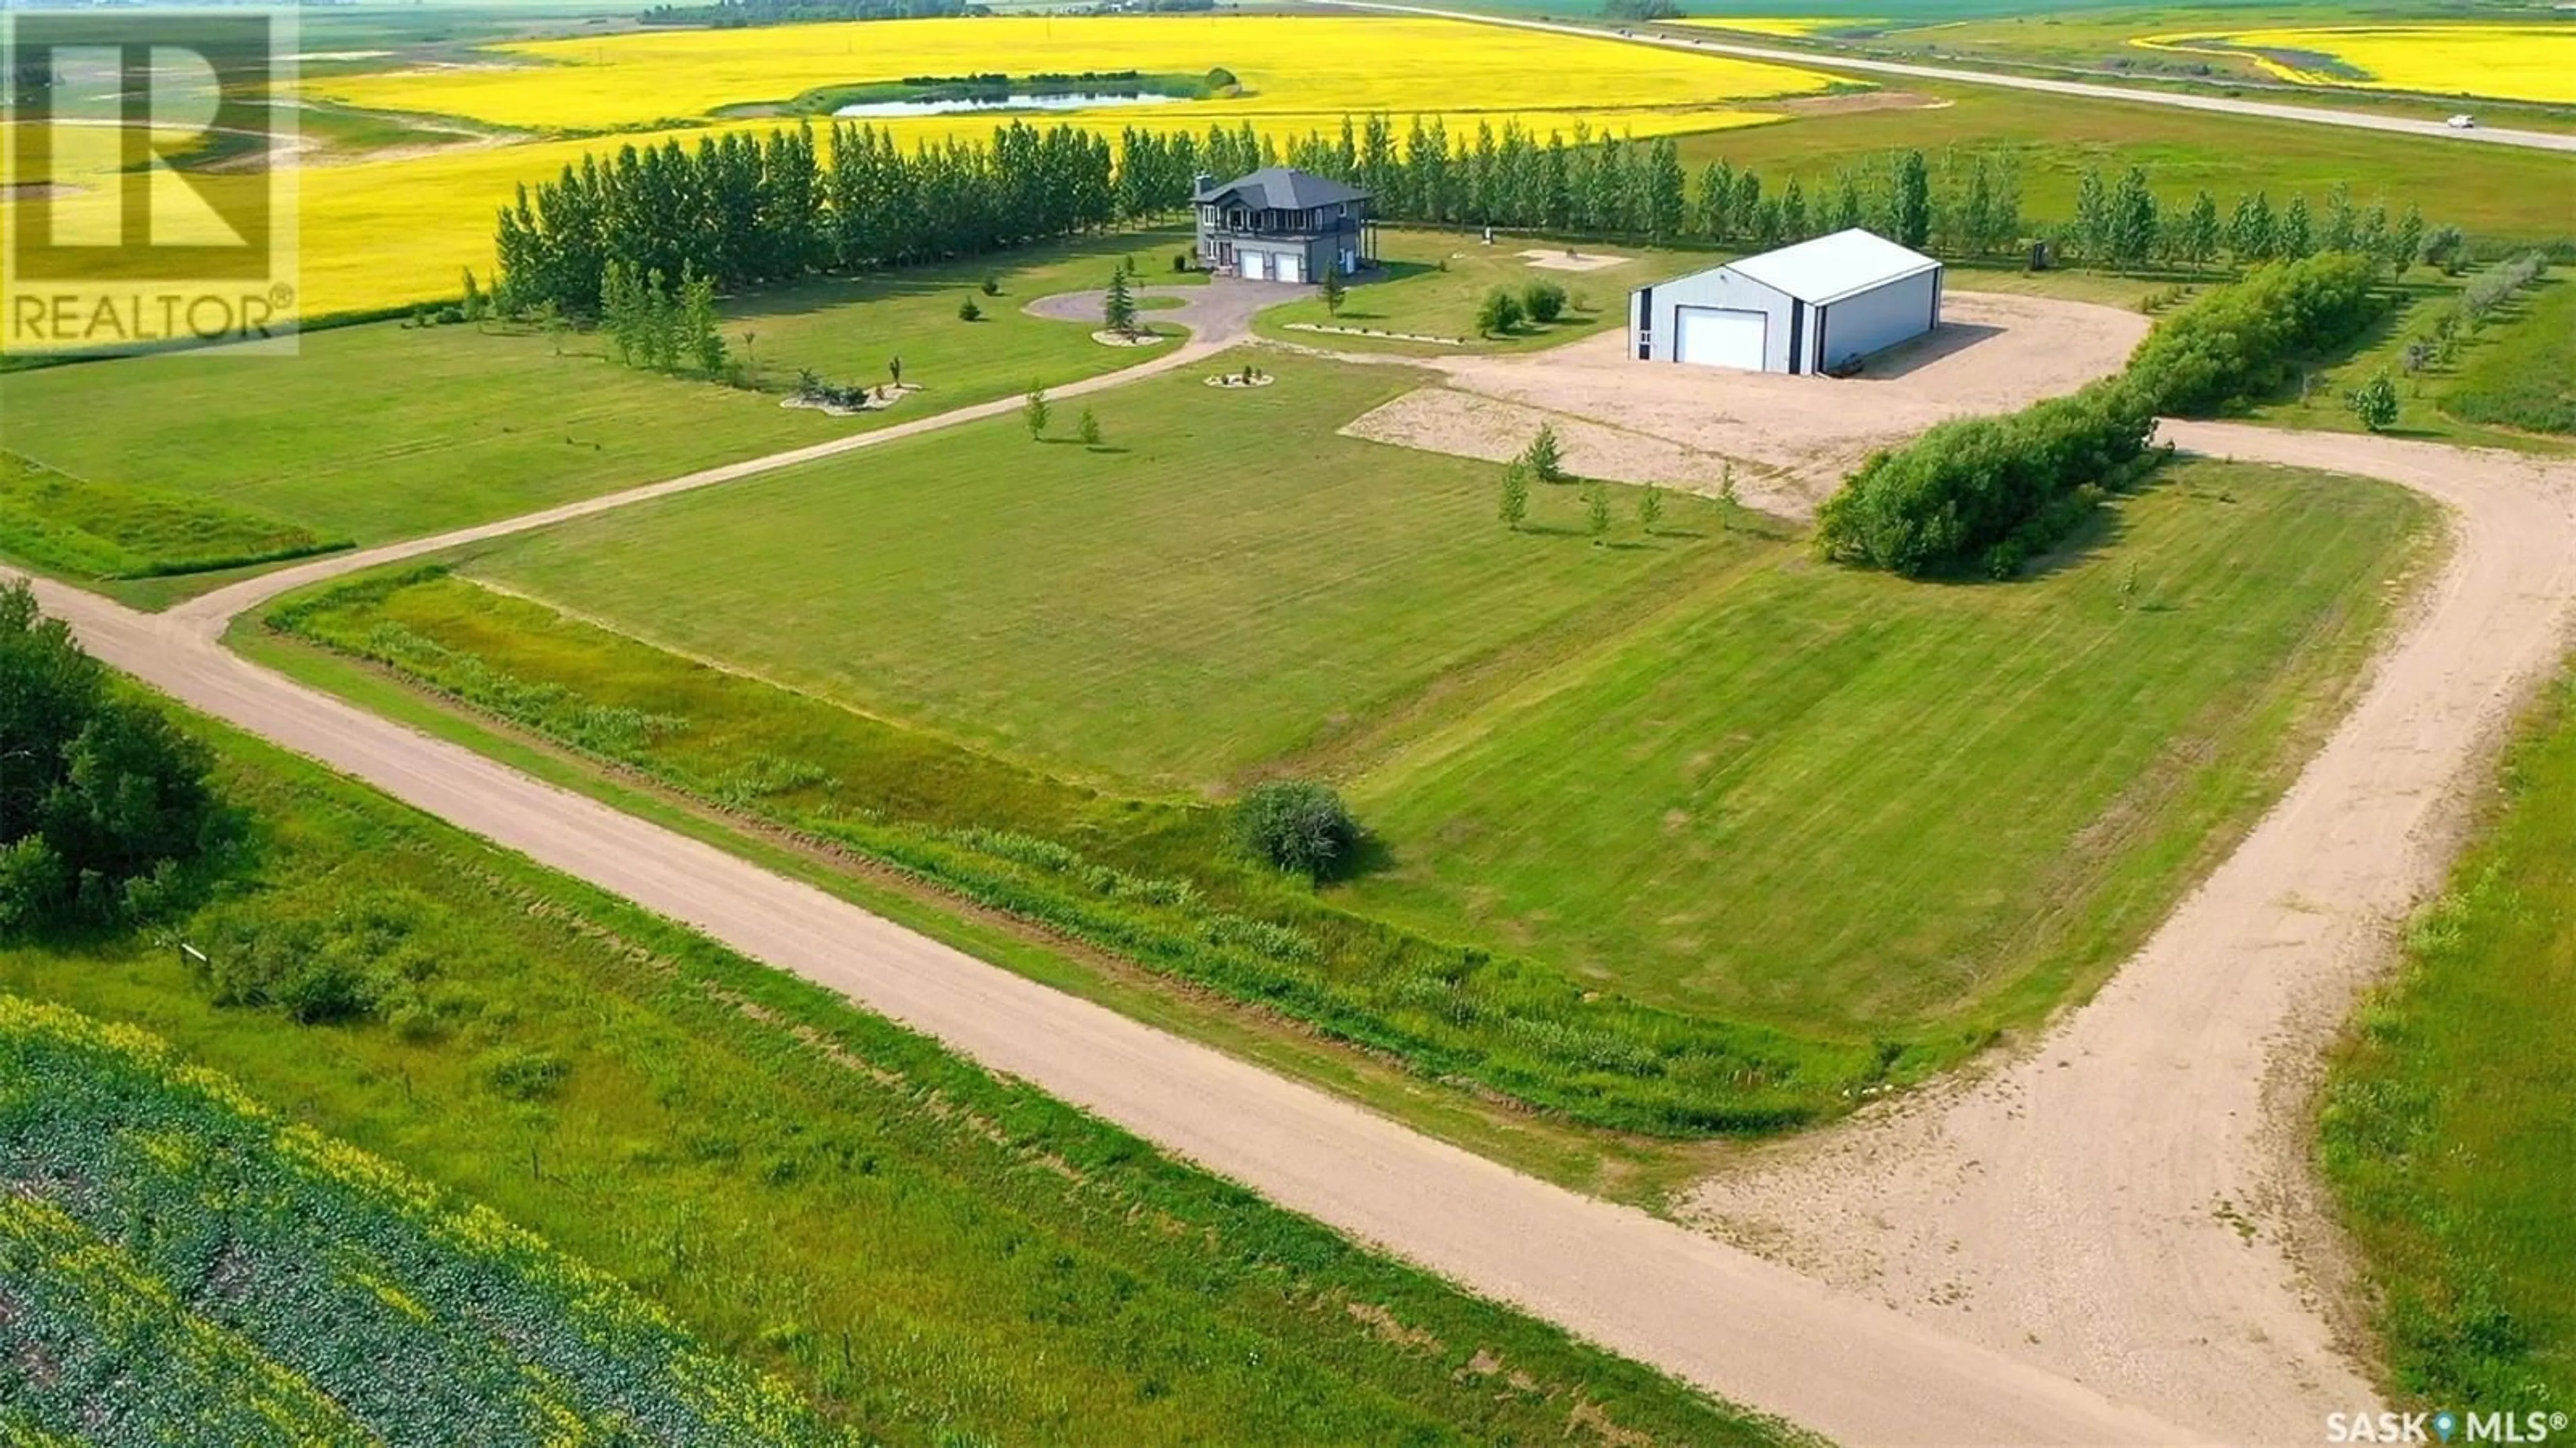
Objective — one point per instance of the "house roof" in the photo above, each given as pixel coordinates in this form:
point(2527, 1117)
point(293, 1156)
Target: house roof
point(1831, 268)
point(1285, 188)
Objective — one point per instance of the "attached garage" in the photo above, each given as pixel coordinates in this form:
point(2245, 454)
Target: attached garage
point(1819, 306)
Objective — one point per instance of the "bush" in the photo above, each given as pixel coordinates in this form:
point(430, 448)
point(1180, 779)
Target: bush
point(1543, 301)
point(2240, 341)
point(1298, 826)
point(967, 311)
point(992, 285)
point(1499, 314)
point(1989, 490)
point(521, 1074)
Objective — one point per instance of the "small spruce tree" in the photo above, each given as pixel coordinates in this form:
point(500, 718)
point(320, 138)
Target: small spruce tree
point(1034, 412)
point(1546, 460)
point(1088, 429)
point(1118, 307)
point(1333, 292)
point(1650, 508)
point(1596, 512)
point(967, 311)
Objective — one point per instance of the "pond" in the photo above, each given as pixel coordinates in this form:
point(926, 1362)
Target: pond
point(1048, 101)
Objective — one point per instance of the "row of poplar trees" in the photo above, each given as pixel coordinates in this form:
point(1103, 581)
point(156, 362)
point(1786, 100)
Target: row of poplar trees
point(741, 210)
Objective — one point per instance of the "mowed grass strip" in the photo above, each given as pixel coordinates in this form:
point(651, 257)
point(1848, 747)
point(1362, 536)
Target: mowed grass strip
point(102, 530)
point(1844, 803)
point(384, 431)
point(2449, 1113)
point(1225, 583)
point(1432, 282)
point(931, 1255)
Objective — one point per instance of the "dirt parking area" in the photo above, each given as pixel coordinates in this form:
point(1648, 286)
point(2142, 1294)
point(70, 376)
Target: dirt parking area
point(1791, 438)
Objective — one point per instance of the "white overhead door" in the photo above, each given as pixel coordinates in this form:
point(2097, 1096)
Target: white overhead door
point(1256, 265)
point(1292, 266)
point(1719, 337)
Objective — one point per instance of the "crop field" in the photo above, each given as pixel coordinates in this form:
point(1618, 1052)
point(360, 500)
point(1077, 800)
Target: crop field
point(2513, 62)
point(2501, 194)
point(1661, 714)
point(920, 1253)
point(2450, 1110)
point(386, 431)
point(185, 1264)
point(1292, 69)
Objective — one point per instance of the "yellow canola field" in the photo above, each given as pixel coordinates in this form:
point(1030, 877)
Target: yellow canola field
point(2510, 62)
point(1781, 24)
point(376, 234)
point(1288, 65)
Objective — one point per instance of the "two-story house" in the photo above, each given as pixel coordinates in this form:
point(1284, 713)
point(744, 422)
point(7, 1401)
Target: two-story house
point(1284, 225)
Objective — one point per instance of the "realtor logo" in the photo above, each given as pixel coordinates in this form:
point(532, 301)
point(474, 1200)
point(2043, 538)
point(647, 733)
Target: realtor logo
point(150, 196)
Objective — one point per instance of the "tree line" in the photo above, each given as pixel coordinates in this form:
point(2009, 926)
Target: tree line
point(742, 210)
point(1993, 491)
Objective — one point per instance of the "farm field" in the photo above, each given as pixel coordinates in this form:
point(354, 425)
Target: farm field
point(2502, 195)
point(1291, 69)
point(2513, 62)
point(1693, 708)
point(385, 431)
point(923, 1253)
point(189, 1266)
point(2450, 1106)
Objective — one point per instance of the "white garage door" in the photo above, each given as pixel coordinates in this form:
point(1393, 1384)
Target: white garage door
point(1256, 266)
point(1292, 266)
point(1719, 337)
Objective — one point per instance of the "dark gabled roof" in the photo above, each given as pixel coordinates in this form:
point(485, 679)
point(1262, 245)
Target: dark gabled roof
point(1284, 188)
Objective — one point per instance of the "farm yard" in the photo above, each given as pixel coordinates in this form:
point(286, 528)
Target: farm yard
point(1334, 620)
point(980, 791)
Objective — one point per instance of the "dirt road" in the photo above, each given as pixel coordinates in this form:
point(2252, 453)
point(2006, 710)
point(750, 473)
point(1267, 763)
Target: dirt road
point(2128, 1202)
point(1825, 60)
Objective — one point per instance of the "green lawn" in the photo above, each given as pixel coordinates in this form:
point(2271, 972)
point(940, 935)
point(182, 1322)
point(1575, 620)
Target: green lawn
point(2497, 193)
point(1433, 281)
point(384, 431)
point(1870, 822)
point(931, 1255)
point(1176, 611)
point(2450, 1111)
point(1834, 799)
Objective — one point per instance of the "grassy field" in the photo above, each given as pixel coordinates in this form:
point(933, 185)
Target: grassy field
point(2450, 1113)
point(2507, 386)
point(2498, 193)
point(1433, 281)
point(385, 431)
point(161, 1249)
point(1815, 796)
point(928, 1254)
point(1652, 710)
point(2526, 379)
point(1101, 612)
